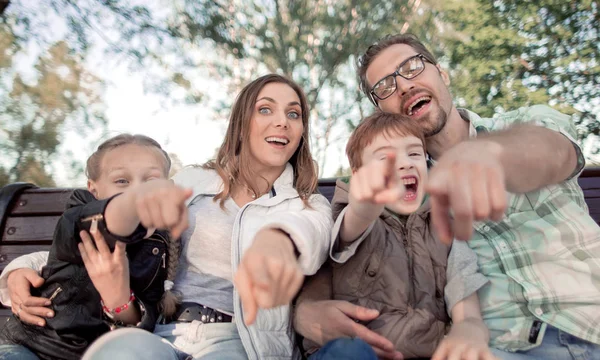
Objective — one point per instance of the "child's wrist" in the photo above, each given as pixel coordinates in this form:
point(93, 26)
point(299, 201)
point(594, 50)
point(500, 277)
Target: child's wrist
point(116, 298)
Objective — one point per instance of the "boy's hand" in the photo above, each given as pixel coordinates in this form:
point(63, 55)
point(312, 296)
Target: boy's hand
point(269, 274)
point(161, 204)
point(374, 185)
point(466, 340)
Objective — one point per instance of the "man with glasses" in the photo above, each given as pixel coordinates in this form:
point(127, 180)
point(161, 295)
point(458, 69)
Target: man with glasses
point(507, 184)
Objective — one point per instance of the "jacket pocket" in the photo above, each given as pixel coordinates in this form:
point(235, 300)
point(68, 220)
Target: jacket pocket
point(148, 268)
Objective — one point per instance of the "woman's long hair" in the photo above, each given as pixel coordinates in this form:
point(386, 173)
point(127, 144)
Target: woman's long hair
point(233, 159)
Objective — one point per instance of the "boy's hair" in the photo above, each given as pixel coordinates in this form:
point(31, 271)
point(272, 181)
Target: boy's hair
point(170, 299)
point(376, 124)
point(364, 61)
point(92, 169)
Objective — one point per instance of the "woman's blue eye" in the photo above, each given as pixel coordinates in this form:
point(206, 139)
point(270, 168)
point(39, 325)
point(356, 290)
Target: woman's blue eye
point(264, 111)
point(294, 115)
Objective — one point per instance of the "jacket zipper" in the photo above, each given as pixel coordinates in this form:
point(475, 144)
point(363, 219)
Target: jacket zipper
point(238, 260)
point(94, 219)
point(55, 293)
point(407, 233)
point(163, 240)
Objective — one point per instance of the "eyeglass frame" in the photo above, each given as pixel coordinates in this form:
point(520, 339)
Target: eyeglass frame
point(395, 74)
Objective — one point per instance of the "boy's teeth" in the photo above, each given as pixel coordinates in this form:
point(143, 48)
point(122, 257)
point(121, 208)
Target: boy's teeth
point(410, 181)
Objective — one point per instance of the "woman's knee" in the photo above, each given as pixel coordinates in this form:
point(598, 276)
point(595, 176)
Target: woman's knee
point(130, 343)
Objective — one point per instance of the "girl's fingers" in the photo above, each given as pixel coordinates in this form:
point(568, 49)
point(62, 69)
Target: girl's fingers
point(100, 243)
point(88, 246)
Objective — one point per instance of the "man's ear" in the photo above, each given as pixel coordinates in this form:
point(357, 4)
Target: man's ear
point(444, 75)
point(91, 186)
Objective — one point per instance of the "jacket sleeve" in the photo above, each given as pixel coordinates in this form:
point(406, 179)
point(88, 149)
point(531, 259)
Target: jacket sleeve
point(462, 274)
point(35, 261)
point(77, 218)
point(309, 229)
point(149, 311)
point(415, 334)
point(342, 254)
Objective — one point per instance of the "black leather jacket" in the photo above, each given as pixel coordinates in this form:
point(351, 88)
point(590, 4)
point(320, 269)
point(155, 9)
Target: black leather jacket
point(79, 319)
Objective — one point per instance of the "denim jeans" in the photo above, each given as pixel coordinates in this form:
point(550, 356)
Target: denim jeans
point(16, 352)
point(345, 348)
point(175, 341)
point(556, 345)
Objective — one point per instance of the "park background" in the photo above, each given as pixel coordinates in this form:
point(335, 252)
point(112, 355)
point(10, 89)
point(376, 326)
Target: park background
point(75, 72)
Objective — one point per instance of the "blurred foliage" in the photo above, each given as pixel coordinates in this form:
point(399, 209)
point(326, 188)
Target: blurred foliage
point(501, 55)
point(34, 111)
point(506, 54)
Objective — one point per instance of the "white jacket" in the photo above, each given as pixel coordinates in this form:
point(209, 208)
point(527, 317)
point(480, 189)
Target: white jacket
point(272, 334)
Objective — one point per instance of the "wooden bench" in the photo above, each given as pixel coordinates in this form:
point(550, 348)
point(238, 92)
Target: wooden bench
point(28, 215)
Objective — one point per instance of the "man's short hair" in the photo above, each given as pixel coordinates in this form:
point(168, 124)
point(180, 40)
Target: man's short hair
point(364, 61)
point(376, 124)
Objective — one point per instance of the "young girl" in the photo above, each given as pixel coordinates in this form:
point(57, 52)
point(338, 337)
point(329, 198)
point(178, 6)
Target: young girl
point(87, 300)
point(256, 227)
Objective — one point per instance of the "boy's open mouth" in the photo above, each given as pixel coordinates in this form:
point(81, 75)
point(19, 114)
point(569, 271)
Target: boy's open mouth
point(411, 184)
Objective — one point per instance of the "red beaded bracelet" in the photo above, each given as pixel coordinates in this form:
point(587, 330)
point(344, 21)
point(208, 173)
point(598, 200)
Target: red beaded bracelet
point(112, 312)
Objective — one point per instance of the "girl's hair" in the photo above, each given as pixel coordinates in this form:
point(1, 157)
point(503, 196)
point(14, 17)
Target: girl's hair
point(170, 299)
point(93, 170)
point(233, 159)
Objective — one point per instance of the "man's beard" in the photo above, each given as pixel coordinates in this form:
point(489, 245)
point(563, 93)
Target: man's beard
point(433, 128)
point(432, 124)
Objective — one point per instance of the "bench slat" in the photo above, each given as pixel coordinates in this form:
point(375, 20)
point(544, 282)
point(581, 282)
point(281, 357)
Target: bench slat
point(21, 229)
point(38, 202)
point(10, 252)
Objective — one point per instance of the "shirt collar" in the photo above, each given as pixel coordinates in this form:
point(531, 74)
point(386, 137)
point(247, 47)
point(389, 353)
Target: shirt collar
point(474, 121)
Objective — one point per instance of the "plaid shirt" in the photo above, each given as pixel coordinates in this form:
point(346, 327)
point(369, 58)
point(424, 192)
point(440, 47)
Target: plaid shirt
point(543, 258)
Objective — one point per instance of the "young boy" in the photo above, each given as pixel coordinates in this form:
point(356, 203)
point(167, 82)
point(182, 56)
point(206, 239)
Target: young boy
point(385, 256)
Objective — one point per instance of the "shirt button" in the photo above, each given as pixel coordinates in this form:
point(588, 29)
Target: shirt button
point(155, 251)
point(486, 228)
point(539, 312)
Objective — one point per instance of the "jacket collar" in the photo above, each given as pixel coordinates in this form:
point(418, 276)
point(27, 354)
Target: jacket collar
point(209, 183)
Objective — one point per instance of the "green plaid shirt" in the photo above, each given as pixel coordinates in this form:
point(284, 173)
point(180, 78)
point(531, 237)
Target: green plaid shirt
point(543, 258)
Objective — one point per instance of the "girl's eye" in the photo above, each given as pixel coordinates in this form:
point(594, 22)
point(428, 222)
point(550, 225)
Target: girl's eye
point(121, 181)
point(293, 115)
point(415, 154)
point(264, 111)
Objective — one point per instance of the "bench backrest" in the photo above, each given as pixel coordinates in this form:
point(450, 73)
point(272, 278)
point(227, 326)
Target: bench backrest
point(29, 220)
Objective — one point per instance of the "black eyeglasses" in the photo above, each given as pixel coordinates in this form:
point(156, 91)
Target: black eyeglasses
point(409, 69)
